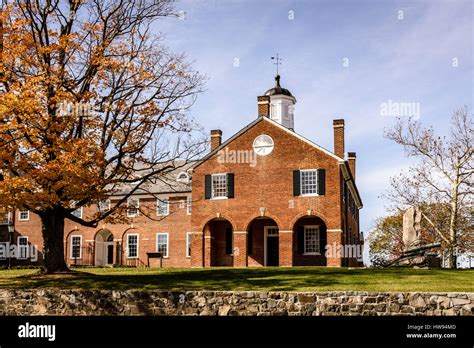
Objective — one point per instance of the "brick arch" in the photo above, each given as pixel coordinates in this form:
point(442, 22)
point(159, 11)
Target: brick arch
point(102, 230)
point(268, 216)
point(302, 215)
point(221, 216)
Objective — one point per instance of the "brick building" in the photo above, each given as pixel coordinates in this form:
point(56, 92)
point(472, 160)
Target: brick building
point(264, 197)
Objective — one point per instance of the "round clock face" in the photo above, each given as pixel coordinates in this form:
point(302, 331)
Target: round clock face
point(263, 145)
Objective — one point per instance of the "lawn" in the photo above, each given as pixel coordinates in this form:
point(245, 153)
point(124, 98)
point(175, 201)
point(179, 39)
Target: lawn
point(271, 279)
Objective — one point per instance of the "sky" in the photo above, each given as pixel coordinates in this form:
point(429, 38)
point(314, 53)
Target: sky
point(341, 59)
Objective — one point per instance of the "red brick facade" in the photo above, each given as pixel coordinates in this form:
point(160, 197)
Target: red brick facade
point(263, 221)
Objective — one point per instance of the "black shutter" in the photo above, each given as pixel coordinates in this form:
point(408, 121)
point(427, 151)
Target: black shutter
point(250, 242)
point(321, 182)
point(208, 186)
point(300, 240)
point(322, 239)
point(296, 183)
point(230, 185)
point(228, 241)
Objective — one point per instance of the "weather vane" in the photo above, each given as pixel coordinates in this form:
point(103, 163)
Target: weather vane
point(278, 61)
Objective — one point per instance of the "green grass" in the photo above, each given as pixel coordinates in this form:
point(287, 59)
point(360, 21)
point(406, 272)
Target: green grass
point(271, 279)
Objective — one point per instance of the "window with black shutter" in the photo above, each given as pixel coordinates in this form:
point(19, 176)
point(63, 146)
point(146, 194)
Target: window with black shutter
point(296, 183)
point(321, 182)
point(230, 185)
point(208, 186)
point(228, 241)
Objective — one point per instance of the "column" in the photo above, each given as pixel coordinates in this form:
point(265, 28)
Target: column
point(197, 249)
point(240, 248)
point(334, 242)
point(285, 248)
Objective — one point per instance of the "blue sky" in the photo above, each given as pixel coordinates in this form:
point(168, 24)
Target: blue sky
point(403, 56)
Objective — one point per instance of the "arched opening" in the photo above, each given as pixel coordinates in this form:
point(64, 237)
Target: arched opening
point(309, 242)
point(218, 243)
point(104, 248)
point(263, 242)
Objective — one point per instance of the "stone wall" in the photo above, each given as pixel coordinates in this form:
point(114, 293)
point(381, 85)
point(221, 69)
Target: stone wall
point(105, 302)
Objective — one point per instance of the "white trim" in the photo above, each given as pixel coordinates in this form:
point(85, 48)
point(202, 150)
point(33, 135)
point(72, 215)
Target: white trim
point(71, 246)
point(189, 205)
point(265, 235)
point(167, 243)
point(350, 183)
point(165, 200)
point(19, 247)
point(327, 152)
point(128, 241)
point(304, 240)
point(188, 244)
point(138, 206)
point(23, 211)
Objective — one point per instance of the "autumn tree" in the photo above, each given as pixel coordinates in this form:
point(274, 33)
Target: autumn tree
point(442, 182)
point(91, 102)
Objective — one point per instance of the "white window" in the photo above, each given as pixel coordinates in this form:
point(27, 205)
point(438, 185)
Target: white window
point(162, 244)
point(311, 240)
point(104, 205)
point(219, 186)
point(132, 246)
point(188, 244)
point(133, 205)
point(22, 243)
point(163, 206)
point(76, 247)
point(77, 213)
point(189, 205)
point(24, 215)
point(309, 182)
point(5, 218)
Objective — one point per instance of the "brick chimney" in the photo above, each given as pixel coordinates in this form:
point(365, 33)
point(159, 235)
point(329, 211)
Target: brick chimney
point(338, 137)
point(216, 138)
point(264, 105)
point(351, 158)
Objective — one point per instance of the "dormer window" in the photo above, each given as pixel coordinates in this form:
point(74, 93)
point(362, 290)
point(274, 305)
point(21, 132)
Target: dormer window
point(183, 177)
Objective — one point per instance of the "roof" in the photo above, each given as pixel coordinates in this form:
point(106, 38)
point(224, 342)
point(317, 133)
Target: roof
point(278, 90)
point(166, 182)
point(252, 124)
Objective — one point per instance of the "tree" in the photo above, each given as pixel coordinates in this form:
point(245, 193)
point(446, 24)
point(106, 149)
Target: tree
point(91, 102)
point(442, 183)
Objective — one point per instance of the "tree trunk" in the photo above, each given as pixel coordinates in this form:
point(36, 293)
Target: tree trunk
point(452, 260)
point(53, 235)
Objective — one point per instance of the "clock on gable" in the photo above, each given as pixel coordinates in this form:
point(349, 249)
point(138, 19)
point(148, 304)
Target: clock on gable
point(263, 145)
